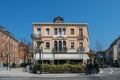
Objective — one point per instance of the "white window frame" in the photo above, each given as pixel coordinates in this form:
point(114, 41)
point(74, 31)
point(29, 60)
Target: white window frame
point(37, 31)
point(48, 30)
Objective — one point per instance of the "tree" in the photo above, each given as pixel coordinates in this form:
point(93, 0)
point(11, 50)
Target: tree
point(98, 46)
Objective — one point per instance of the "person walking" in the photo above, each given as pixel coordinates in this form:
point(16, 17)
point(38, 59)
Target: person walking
point(96, 67)
point(90, 68)
point(87, 69)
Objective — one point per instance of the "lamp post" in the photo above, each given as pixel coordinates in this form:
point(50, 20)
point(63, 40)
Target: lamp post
point(8, 55)
point(42, 60)
point(34, 51)
point(40, 52)
point(81, 51)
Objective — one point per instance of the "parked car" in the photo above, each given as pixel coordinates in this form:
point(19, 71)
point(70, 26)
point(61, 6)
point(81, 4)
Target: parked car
point(115, 64)
point(104, 65)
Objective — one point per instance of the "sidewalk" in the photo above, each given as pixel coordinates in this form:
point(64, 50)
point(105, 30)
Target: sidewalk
point(18, 72)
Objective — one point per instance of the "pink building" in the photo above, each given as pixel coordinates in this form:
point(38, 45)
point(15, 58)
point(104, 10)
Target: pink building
point(63, 42)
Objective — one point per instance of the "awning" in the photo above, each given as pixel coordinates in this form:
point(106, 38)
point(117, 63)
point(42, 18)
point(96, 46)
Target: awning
point(43, 56)
point(71, 56)
point(49, 56)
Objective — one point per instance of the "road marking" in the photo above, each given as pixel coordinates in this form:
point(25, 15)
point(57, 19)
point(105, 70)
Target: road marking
point(111, 71)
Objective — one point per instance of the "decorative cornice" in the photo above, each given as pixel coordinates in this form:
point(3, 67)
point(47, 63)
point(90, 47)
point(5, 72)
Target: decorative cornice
point(60, 24)
point(47, 36)
point(60, 38)
point(72, 36)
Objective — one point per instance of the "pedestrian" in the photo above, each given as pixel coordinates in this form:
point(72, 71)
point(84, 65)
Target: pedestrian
point(90, 68)
point(87, 69)
point(13, 65)
point(96, 67)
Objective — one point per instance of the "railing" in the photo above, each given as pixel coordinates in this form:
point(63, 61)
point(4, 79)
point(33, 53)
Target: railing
point(60, 49)
point(81, 49)
point(36, 36)
point(80, 37)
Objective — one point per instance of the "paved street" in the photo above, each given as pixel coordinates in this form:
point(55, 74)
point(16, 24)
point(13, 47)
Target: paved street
point(18, 74)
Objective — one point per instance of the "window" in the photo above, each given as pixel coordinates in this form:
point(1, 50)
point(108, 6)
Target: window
point(48, 31)
point(80, 44)
point(39, 31)
point(72, 44)
point(64, 45)
point(60, 31)
point(47, 44)
point(80, 31)
point(55, 45)
point(64, 31)
point(55, 31)
point(72, 31)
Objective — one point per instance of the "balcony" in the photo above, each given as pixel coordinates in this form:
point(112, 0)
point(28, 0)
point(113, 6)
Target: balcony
point(80, 49)
point(36, 36)
point(80, 37)
point(59, 50)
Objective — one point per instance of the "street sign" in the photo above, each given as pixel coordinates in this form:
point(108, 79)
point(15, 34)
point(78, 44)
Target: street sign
point(100, 55)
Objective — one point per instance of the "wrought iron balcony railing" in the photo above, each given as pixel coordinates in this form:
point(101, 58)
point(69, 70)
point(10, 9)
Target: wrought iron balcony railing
point(36, 36)
point(81, 49)
point(80, 37)
point(60, 49)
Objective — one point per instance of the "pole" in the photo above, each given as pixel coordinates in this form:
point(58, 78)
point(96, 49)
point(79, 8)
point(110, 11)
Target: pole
point(42, 60)
point(34, 55)
point(8, 56)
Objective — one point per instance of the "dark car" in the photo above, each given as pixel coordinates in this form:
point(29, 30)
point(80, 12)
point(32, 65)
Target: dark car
point(115, 65)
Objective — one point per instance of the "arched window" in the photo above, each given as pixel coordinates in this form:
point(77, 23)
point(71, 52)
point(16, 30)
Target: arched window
point(60, 46)
point(55, 45)
point(64, 45)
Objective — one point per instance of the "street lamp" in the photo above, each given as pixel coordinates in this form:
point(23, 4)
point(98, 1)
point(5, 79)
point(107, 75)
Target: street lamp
point(40, 52)
point(8, 55)
point(81, 51)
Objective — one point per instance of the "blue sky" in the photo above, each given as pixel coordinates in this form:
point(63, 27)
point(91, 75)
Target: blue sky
point(102, 16)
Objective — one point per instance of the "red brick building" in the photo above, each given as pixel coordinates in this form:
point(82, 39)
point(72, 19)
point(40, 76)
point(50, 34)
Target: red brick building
point(25, 53)
point(8, 47)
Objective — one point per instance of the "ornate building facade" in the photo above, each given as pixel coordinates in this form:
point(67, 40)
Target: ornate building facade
point(63, 42)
